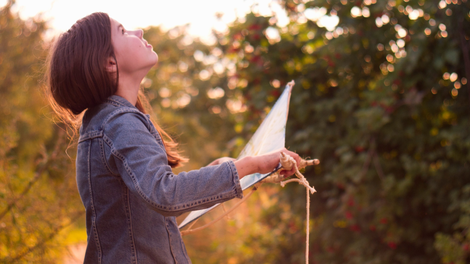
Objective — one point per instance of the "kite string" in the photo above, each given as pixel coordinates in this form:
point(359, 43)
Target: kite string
point(303, 181)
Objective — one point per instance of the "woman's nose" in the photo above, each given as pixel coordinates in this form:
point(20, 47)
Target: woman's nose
point(138, 32)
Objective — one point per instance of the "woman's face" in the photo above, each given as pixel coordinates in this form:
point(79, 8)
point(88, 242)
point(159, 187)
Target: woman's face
point(133, 53)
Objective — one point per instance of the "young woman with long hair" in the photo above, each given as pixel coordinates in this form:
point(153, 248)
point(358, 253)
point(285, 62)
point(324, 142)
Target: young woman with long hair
point(124, 160)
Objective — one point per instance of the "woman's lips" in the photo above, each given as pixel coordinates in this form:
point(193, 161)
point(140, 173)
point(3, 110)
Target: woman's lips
point(147, 44)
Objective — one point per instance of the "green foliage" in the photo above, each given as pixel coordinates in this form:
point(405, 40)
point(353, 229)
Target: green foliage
point(38, 196)
point(383, 101)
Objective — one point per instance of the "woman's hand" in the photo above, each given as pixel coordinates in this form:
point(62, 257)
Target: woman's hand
point(220, 161)
point(264, 163)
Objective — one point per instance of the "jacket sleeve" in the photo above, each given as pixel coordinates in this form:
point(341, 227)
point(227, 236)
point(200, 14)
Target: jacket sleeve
point(143, 165)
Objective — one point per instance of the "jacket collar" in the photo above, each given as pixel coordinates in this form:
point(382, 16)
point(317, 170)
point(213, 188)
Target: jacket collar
point(119, 101)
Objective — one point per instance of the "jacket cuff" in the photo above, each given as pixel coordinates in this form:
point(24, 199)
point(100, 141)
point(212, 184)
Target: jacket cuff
point(236, 180)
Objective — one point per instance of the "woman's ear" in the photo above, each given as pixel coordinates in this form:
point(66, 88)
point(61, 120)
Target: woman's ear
point(111, 65)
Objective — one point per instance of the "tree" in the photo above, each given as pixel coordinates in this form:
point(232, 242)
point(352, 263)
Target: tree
point(37, 185)
point(382, 99)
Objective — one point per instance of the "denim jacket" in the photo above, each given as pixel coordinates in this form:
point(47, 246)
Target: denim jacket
point(130, 193)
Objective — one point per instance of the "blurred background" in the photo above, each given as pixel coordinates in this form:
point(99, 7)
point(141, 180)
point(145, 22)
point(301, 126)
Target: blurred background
point(381, 98)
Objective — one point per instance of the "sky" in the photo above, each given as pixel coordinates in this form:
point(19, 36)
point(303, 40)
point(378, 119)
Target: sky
point(199, 14)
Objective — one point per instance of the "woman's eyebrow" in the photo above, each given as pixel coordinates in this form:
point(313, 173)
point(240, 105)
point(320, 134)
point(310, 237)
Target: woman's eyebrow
point(120, 26)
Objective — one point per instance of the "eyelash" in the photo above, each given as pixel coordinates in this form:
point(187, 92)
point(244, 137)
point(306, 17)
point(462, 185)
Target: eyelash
point(123, 31)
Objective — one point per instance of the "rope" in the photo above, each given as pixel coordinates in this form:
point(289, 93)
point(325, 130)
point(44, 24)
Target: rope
point(287, 162)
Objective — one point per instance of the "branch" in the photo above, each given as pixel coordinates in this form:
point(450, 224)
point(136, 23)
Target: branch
point(370, 154)
point(378, 168)
point(466, 57)
point(44, 241)
point(36, 177)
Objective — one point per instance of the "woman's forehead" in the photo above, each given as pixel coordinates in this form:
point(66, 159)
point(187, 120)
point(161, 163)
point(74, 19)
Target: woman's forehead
point(114, 23)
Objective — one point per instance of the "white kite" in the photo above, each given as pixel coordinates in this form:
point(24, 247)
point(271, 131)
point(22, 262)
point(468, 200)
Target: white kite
point(270, 136)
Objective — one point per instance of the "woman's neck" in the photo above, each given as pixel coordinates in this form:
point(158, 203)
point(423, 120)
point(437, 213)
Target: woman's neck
point(129, 89)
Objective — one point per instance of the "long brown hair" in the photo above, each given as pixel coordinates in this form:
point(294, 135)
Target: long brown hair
point(77, 77)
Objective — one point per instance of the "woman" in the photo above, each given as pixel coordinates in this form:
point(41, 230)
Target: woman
point(124, 166)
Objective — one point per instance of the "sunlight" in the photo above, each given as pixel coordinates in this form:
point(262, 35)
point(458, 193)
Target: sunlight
point(323, 20)
point(328, 22)
point(199, 15)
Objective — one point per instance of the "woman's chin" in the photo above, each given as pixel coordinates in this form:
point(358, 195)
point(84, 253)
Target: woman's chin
point(155, 64)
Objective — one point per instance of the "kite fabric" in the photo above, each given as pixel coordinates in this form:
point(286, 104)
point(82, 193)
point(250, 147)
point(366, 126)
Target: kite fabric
point(270, 136)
